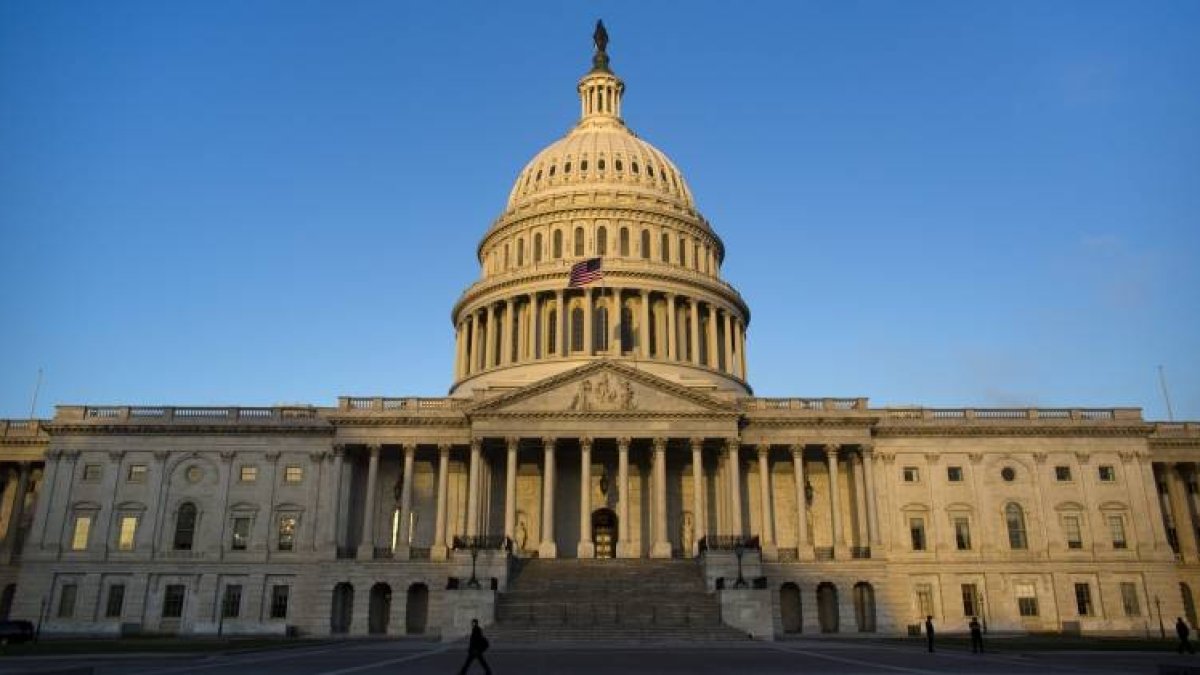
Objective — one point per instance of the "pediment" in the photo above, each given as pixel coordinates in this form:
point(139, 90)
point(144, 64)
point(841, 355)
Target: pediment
point(603, 388)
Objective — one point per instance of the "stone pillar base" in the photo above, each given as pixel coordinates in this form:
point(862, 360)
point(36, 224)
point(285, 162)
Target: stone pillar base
point(402, 552)
point(547, 549)
point(841, 552)
point(805, 553)
point(628, 549)
point(438, 553)
point(770, 552)
point(365, 552)
point(660, 549)
point(586, 549)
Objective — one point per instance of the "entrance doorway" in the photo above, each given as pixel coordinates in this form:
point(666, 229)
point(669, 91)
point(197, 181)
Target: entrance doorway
point(604, 532)
point(416, 612)
point(380, 609)
point(343, 609)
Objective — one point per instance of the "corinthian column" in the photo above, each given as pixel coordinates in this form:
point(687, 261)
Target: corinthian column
point(625, 548)
point(406, 487)
point(366, 546)
point(767, 536)
point(699, 519)
point(560, 321)
point(507, 341)
point(473, 488)
point(661, 548)
point(735, 486)
point(872, 515)
point(714, 361)
point(589, 331)
point(835, 503)
point(672, 334)
point(489, 348)
point(644, 329)
point(548, 549)
point(510, 488)
point(586, 548)
point(438, 551)
point(727, 343)
point(804, 549)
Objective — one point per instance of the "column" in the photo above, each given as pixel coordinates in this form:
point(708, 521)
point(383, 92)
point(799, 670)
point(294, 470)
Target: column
point(533, 325)
point(767, 536)
point(625, 548)
point(406, 487)
point(713, 346)
point(560, 319)
point(586, 548)
point(1181, 515)
point(489, 347)
point(672, 335)
point(510, 488)
point(509, 329)
point(835, 503)
point(694, 348)
point(589, 333)
point(473, 488)
point(804, 550)
point(860, 503)
point(615, 315)
point(699, 521)
point(872, 514)
point(11, 545)
point(334, 533)
point(661, 548)
point(366, 546)
point(733, 466)
point(438, 551)
point(644, 329)
point(547, 549)
point(727, 343)
point(477, 341)
point(742, 350)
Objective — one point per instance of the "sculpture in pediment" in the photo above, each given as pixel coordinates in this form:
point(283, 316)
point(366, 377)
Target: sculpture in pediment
point(603, 393)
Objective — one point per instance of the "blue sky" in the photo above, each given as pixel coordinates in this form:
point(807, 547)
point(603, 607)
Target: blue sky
point(934, 203)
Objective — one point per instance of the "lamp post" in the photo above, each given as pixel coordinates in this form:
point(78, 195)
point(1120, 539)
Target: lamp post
point(739, 549)
point(474, 546)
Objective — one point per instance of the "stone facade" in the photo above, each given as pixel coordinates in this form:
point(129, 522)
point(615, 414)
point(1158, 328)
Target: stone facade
point(606, 419)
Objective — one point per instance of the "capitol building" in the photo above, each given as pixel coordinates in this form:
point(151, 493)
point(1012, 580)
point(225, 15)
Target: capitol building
point(600, 463)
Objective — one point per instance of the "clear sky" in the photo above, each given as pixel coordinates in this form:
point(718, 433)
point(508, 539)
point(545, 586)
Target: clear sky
point(933, 203)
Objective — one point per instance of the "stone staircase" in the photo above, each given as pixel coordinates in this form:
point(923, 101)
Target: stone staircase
point(608, 600)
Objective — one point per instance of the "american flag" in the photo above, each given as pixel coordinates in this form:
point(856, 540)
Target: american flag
point(585, 272)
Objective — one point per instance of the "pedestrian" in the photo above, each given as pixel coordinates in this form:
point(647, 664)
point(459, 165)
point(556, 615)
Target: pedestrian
point(476, 646)
point(929, 632)
point(976, 636)
point(1182, 630)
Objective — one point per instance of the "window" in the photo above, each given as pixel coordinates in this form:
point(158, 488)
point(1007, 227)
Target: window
point(1009, 474)
point(279, 601)
point(92, 472)
point(583, 165)
point(537, 248)
point(1129, 599)
point(137, 473)
point(600, 164)
point(626, 329)
point(925, 599)
point(127, 533)
point(683, 251)
point(970, 600)
point(185, 526)
point(116, 601)
point(911, 474)
point(173, 595)
point(287, 533)
point(231, 601)
point(1073, 532)
point(954, 474)
point(1027, 604)
point(241, 534)
point(601, 240)
point(552, 332)
point(558, 249)
point(577, 329)
point(1062, 473)
point(520, 252)
point(1014, 519)
point(248, 474)
point(1116, 527)
point(600, 329)
point(666, 247)
point(567, 168)
point(293, 474)
point(646, 244)
point(79, 535)
point(1083, 600)
point(579, 241)
point(1107, 473)
point(962, 533)
point(624, 242)
point(66, 601)
point(916, 530)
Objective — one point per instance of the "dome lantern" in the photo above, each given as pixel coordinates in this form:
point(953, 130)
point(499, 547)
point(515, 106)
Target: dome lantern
point(600, 90)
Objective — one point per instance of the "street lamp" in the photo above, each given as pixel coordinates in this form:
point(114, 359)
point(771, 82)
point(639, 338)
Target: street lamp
point(739, 549)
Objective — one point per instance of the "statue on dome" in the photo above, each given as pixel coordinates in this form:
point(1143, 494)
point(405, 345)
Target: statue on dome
point(600, 37)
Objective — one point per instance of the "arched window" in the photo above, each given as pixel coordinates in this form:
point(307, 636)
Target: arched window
point(666, 247)
point(520, 252)
point(1014, 519)
point(185, 526)
point(683, 251)
point(583, 165)
point(579, 241)
point(552, 332)
point(624, 241)
point(577, 329)
point(552, 171)
point(696, 257)
point(600, 329)
point(646, 244)
point(634, 166)
point(601, 240)
point(618, 165)
point(567, 168)
point(600, 164)
point(506, 256)
point(626, 329)
point(557, 244)
point(537, 248)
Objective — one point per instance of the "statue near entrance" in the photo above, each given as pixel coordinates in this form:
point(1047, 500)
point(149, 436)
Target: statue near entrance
point(687, 534)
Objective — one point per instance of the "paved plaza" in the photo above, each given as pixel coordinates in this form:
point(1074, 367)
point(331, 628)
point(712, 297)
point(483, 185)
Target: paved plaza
point(421, 658)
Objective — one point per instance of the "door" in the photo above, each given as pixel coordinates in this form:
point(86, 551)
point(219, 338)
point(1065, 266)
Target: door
point(604, 533)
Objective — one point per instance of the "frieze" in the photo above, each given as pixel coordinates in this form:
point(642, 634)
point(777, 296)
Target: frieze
point(1029, 431)
point(178, 429)
point(603, 393)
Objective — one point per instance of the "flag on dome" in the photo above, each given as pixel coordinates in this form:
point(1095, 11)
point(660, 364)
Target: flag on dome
point(585, 272)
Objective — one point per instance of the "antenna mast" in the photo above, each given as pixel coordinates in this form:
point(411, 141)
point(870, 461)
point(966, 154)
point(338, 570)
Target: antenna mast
point(36, 387)
point(1162, 382)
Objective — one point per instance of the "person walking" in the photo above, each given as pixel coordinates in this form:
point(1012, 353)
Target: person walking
point(476, 646)
point(929, 632)
point(1182, 630)
point(976, 636)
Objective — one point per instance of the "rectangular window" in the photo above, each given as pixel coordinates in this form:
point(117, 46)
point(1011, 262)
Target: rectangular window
point(1027, 603)
point(287, 533)
point(1062, 473)
point(1072, 531)
point(92, 472)
point(241, 534)
point(970, 598)
point(911, 474)
point(1083, 599)
point(279, 601)
point(293, 474)
point(125, 536)
point(231, 602)
point(173, 601)
point(137, 473)
point(66, 601)
point(1107, 473)
point(954, 474)
point(962, 533)
point(925, 599)
point(116, 601)
point(248, 474)
point(1116, 527)
point(1129, 599)
point(79, 535)
point(916, 528)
